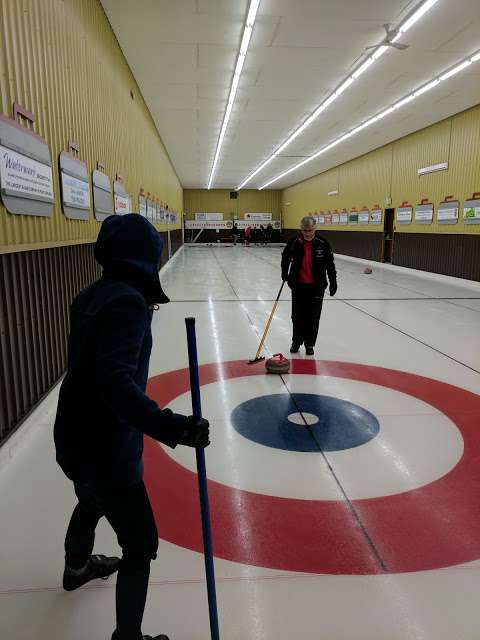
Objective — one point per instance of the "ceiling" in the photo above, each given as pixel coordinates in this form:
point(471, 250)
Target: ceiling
point(183, 53)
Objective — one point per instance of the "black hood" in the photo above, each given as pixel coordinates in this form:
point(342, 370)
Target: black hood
point(129, 248)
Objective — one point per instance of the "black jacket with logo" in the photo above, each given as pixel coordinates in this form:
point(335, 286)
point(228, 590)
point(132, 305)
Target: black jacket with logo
point(322, 262)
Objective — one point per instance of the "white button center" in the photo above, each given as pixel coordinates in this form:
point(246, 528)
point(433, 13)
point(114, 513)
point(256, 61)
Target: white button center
point(302, 418)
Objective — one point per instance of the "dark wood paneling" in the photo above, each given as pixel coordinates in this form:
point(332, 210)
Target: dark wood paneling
point(36, 289)
point(359, 244)
point(176, 240)
point(449, 254)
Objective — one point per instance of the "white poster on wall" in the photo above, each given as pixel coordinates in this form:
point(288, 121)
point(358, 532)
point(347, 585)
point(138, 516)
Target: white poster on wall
point(23, 177)
point(257, 216)
point(142, 206)
point(320, 219)
point(363, 217)
point(211, 217)
point(447, 213)
point(199, 224)
point(76, 193)
point(121, 204)
point(404, 215)
point(424, 213)
point(471, 214)
point(335, 218)
point(344, 218)
point(376, 216)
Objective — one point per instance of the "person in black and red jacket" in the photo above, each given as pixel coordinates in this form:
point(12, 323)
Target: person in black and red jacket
point(103, 413)
point(307, 260)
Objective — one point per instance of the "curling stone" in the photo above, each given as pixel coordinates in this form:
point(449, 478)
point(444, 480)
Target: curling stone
point(277, 364)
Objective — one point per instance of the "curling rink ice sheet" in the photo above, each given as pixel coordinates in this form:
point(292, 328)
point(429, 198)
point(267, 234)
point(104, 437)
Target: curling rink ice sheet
point(345, 495)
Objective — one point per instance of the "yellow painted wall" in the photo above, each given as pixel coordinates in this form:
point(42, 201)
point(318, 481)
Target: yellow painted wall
point(391, 171)
point(218, 201)
point(61, 60)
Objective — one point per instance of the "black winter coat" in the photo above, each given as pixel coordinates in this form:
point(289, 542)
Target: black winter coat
point(103, 411)
point(322, 262)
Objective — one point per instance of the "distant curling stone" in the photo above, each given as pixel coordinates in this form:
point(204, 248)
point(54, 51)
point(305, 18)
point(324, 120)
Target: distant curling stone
point(277, 364)
point(367, 270)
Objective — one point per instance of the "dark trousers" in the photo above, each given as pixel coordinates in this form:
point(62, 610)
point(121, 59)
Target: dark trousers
point(306, 309)
point(129, 513)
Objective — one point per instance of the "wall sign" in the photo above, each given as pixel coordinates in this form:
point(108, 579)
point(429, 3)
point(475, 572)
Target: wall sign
point(121, 197)
point(447, 212)
point(75, 186)
point(424, 213)
point(320, 219)
point(441, 166)
point(353, 217)
point(142, 205)
point(243, 224)
point(209, 216)
point(258, 216)
point(26, 179)
point(375, 216)
point(471, 210)
point(404, 214)
point(219, 224)
point(150, 206)
point(335, 218)
point(102, 193)
point(363, 217)
point(328, 218)
point(344, 218)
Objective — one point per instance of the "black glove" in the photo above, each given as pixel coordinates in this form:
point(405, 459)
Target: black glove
point(333, 287)
point(196, 434)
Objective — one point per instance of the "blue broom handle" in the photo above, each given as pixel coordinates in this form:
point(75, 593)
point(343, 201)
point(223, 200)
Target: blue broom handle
point(202, 481)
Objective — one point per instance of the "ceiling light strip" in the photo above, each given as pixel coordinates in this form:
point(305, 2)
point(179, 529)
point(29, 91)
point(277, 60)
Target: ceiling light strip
point(242, 54)
point(363, 66)
point(397, 105)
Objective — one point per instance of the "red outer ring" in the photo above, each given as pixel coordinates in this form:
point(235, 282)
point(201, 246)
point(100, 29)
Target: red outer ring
point(436, 525)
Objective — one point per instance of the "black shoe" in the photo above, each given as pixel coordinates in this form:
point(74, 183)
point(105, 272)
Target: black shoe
point(294, 348)
point(309, 351)
point(96, 567)
point(160, 637)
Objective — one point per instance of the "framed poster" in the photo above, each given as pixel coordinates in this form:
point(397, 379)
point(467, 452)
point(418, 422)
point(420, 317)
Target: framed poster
point(404, 214)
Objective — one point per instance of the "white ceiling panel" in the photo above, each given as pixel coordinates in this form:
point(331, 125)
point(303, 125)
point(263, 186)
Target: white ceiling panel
point(183, 53)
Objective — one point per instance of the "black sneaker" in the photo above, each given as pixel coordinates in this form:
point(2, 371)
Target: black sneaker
point(97, 567)
point(309, 351)
point(294, 348)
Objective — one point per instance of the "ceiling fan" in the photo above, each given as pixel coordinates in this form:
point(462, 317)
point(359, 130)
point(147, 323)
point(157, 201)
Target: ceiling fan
point(388, 40)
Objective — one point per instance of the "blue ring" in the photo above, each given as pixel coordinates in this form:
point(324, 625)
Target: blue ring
point(341, 424)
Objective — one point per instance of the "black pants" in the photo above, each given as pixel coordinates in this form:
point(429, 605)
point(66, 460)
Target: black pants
point(306, 309)
point(129, 513)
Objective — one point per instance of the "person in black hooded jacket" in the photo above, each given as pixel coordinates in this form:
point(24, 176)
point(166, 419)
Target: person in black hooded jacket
point(103, 414)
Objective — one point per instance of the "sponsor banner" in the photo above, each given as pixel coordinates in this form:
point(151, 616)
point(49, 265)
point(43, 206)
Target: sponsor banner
point(23, 177)
point(404, 215)
point(209, 217)
point(75, 192)
point(198, 224)
point(257, 216)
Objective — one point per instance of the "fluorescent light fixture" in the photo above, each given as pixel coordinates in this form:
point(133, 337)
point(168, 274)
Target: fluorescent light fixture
point(441, 166)
point(333, 193)
point(457, 69)
point(416, 15)
point(397, 105)
point(242, 54)
point(360, 70)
